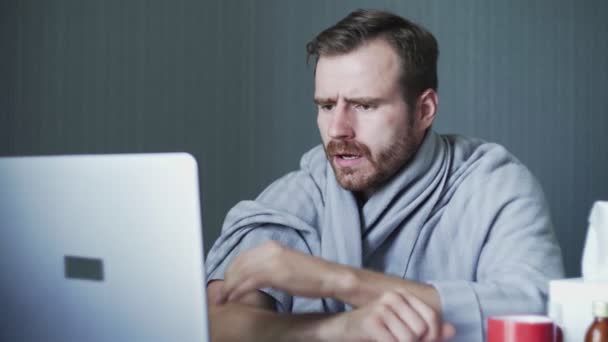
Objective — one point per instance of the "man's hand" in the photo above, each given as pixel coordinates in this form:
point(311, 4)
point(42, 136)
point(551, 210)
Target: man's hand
point(272, 265)
point(395, 316)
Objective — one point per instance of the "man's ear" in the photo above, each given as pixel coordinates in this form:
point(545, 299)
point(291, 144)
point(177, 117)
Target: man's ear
point(426, 108)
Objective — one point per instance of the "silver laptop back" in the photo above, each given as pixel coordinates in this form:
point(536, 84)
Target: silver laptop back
point(101, 248)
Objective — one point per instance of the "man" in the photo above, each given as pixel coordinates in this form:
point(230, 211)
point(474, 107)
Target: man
point(389, 231)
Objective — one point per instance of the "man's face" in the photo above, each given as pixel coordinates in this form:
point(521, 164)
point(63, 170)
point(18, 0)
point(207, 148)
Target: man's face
point(366, 127)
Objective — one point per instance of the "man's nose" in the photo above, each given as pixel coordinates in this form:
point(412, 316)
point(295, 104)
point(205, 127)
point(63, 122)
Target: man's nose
point(341, 125)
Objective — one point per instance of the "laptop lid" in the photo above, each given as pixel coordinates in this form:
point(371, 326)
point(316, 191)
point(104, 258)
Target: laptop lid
point(101, 248)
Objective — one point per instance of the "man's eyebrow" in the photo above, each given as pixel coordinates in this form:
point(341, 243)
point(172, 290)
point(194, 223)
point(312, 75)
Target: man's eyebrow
point(324, 100)
point(362, 100)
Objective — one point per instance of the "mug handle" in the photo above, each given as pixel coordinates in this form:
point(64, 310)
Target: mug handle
point(559, 334)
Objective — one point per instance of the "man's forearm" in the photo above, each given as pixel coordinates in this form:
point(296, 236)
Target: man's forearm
point(300, 274)
point(239, 322)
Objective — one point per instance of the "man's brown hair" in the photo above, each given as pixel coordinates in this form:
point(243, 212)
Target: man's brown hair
point(416, 46)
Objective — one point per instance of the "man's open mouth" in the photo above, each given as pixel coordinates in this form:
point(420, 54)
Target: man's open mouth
point(347, 156)
point(349, 160)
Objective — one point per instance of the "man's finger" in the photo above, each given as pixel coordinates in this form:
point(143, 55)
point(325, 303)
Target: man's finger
point(221, 299)
point(398, 328)
point(246, 286)
point(379, 332)
point(447, 331)
point(232, 278)
point(432, 319)
point(409, 315)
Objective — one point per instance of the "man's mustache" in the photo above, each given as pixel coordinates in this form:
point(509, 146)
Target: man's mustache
point(352, 147)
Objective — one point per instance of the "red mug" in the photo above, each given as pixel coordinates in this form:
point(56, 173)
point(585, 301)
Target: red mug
point(523, 328)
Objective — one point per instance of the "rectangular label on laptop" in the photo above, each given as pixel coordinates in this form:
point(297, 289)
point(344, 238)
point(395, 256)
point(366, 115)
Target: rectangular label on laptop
point(83, 268)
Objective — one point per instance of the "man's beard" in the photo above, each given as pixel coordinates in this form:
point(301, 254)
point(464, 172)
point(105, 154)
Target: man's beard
point(379, 169)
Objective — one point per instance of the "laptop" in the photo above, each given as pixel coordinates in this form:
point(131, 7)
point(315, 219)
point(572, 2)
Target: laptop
point(101, 248)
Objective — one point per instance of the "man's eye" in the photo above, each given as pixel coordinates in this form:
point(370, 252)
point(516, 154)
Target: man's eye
point(364, 107)
point(327, 107)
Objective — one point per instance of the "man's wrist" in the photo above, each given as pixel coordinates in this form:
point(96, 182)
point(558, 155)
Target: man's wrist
point(343, 284)
point(358, 287)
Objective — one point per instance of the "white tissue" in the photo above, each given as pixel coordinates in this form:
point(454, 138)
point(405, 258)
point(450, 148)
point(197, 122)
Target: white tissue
point(595, 252)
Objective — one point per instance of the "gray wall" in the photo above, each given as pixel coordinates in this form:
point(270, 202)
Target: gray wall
point(227, 81)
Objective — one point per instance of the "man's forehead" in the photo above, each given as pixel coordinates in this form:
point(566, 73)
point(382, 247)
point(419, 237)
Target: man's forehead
point(368, 71)
point(352, 92)
point(334, 85)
